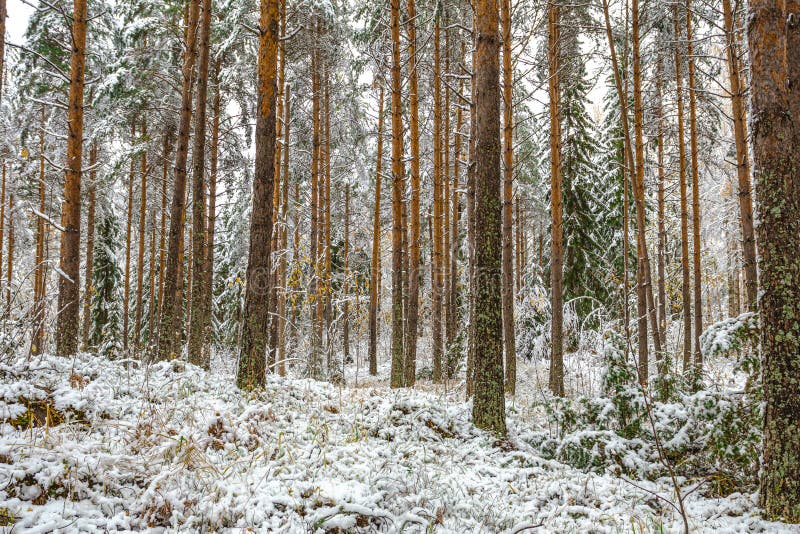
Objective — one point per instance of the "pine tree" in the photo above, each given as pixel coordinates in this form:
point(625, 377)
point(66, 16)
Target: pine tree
point(776, 165)
point(488, 409)
point(67, 328)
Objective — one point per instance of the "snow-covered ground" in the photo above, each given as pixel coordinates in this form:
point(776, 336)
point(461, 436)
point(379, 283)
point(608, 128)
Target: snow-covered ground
point(171, 447)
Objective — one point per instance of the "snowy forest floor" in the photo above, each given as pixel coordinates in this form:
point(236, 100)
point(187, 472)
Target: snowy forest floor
point(169, 447)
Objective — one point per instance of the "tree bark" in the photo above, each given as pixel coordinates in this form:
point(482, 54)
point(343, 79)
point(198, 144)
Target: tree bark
point(346, 283)
point(685, 283)
point(509, 340)
point(198, 300)
point(126, 290)
point(10, 257)
point(557, 254)
point(438, 211)
point(169, 338)
point(488, 408)
point(398, 179)
point(638, 195)
point(316, 333)
point(90, 222)
point(3, 13)
point(37, 341)
point(284, 227)
point(137, 328)
point(742, 157)
point(773, 40)
point(696, 265)
point(662, 231)
point(212, 214)
point(67, 326)
point(412, 318)
point(252, 359)
point(374, 280)
point(162, 239)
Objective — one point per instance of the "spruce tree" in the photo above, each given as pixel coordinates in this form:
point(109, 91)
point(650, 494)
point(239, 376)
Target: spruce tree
point(106, 280)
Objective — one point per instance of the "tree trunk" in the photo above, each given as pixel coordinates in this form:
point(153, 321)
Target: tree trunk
point(447, 258)
point(212, 215)
point(10, 257)
point(90, 222)
point(284, 226)
point(642, 277)
point(151, 311)
point(252, 359)
point(37, 341)
point(453, 315)
point(316, 333)
point(276, 205)
point(162, 240)
point(126, 291)
point(488, 409)
point(557, 259)
point(374, 282)
point(509, 340)
point(412, 318)
point(169, 337)
point(470, 381)
point(198, 349)
point(3, 14)
point(742, 157)
point(346, 283)
point(696, 267)
point(662, 231)
point(773, 56)
point(398, 179)
point(518, 245)
point(137, 328)
point(69, 308)
point(438, 212)
point(685, 284)
point(328, 291)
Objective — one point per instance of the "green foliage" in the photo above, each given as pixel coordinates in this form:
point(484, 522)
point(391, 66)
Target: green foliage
point(106, 281)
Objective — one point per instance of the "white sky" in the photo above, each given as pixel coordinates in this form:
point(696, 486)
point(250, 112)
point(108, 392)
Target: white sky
point(17, 21)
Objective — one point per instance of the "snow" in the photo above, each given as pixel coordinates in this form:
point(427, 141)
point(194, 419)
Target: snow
point(169, 447)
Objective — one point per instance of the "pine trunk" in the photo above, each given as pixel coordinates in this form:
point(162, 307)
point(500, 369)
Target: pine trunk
point(284, 226)
point(696, 266)
point(316, 325)
point(162, 244)
point(398, 179)
point(557, 254)
point(738, 105)
point(137, 328)
point(212, 214)
point(126, 288)
point(412, 318)
point(90, 222)
point(69, 308)
point(252, 359)
point(438, 212)
point(509, 340)
point(642, 270)
point(39, 312)
point(662, 230)
point(774, 48)
point(198, 299)
point(169, 338)
point(685, 283)
point(488, 409)
point(374, 284)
